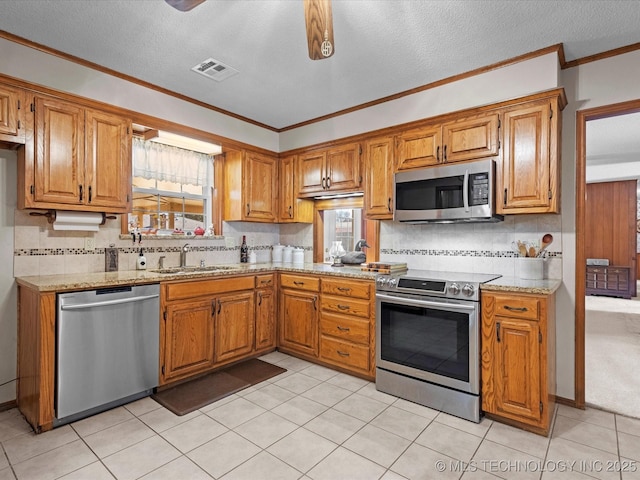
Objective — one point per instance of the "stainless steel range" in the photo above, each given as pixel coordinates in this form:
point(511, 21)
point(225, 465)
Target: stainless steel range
point(428, 339)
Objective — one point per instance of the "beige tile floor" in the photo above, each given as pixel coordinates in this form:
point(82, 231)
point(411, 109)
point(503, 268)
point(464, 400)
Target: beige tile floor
point(315, 423)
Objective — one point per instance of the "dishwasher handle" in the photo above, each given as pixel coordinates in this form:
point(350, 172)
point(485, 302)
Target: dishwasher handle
point(104, 303)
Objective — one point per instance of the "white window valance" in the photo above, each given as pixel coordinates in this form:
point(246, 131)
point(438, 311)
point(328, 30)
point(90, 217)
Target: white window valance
point(152, 160)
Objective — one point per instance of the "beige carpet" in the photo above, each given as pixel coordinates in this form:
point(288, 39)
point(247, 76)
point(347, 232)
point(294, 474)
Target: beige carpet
point(612, 354)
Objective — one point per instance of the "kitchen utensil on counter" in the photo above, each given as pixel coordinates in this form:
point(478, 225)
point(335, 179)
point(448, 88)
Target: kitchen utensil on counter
point(531, 252)
point(522, 248)
point(546, 241)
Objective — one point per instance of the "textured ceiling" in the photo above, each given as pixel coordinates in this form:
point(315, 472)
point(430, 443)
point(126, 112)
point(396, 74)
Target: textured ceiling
point(382, 47)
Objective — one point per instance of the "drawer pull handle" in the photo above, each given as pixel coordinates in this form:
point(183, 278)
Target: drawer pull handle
point(265, 282)
point(315, 306)
point(298, 283)
point(343, 307)
point(516, 309)
point(498, 331)
point(344, 329)
point(259, 298)
point(342, 354)
point(344, 289)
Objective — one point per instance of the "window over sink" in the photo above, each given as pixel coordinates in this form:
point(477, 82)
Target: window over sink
point(172, 189)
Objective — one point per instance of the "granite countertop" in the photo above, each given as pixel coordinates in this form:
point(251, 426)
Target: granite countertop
point(87, 281)
point(518, 285)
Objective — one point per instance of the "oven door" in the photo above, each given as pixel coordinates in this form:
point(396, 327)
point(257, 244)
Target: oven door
point(435, 340)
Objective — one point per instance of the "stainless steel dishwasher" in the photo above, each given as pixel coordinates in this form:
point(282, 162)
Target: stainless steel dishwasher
point(107, 349)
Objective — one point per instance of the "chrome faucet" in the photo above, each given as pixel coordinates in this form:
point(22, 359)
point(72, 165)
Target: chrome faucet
point(183, 255)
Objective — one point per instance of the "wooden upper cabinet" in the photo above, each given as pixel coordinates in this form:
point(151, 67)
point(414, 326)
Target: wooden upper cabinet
point(107, 159)
point(530, 165)
point(418, 148)
point(59, 153)
point(250, 187)
point(11, 115)
point(79, 159)
point(291, 208)
point(455, 141)
point(334, 170)
point(378, 178)
point(470, 138)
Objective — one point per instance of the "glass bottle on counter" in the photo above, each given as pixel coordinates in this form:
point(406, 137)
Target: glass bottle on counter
point(244, 250)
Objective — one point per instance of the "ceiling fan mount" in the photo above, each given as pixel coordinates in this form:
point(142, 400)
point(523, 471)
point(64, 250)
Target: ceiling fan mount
point(318, 20)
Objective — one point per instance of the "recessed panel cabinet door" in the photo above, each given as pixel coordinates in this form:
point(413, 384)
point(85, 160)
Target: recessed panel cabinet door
point(343, 168)
point(419, 148)
point(188, 339)
point(298, 328)
point(59, 152)
point(261, 187)
point(9, 111)
point(312, 172)
point(378, 187)
point(517, 364)
point(265, 319)
point(234, 325)
point(526, 163)
point(470, 138)
point(108, 160)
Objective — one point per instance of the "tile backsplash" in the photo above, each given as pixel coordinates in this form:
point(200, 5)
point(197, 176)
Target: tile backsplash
point(482, 248)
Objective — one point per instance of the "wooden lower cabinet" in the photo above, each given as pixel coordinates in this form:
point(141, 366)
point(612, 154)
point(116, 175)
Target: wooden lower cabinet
point(265, 312)
point(518, 359)
point(188, 338)
point(205, 324)
point(347, 326)
point(234, 326)
point(298, 327)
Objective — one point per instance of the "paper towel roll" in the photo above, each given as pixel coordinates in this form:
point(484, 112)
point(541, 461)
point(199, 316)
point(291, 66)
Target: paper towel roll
point(82, 221)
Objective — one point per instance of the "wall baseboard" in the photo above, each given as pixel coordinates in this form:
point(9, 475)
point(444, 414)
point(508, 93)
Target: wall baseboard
point(8, 405)
point(566, 401)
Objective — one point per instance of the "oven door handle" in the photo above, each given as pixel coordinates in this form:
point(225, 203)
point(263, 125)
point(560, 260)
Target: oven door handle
point(455, 307)
point(465, 191)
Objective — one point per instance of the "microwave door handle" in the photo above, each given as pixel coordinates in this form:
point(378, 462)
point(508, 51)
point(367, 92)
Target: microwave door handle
point(465, 191)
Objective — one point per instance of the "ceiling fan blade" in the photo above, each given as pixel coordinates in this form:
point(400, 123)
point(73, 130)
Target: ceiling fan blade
point(319, 21)
point(184, 5)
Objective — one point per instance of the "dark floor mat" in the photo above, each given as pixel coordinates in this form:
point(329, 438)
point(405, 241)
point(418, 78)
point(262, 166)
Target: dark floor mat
point(197, 393)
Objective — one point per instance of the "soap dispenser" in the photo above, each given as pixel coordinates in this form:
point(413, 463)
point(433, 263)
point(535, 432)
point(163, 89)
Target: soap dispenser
point(142, 261)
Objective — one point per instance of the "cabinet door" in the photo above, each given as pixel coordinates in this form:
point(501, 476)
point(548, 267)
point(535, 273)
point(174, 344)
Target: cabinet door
point(265, 319)
point(108, 161)
point(260, 187)
point(59, 153)
point(286, 212)
point(419, 148)
point(9, 110)
point(517, 369)
point(378, 185)
point(526, 166)
point(234, 325)
point(298, 327)
point(343, 168)
point(470, 138)
point(188, 338)
point(312, 177)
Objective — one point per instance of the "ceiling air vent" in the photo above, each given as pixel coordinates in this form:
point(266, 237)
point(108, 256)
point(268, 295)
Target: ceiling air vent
point(214, 69)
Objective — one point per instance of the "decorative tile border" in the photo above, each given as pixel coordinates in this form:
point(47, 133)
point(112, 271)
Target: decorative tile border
point(27, 252)
point(461, 253)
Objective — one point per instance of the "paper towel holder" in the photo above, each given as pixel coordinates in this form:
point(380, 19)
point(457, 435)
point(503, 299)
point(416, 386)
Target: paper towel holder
point(51, 216)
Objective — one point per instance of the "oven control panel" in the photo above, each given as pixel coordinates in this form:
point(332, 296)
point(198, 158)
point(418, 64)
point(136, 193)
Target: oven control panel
point(423, 286)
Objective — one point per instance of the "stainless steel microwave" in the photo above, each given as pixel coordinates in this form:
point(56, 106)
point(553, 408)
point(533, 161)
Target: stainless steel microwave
point(452, 193)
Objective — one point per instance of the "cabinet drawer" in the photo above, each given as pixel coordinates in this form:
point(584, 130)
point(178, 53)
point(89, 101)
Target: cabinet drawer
point(346, 288)
point(344, 353)
point(177, 291)
point(265, 281)
point(521, 307)
point(346, 306)
point(345, 328)
point(300, 282)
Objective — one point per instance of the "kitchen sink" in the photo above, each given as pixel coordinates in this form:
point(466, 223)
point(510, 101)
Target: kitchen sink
point(193, 269)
